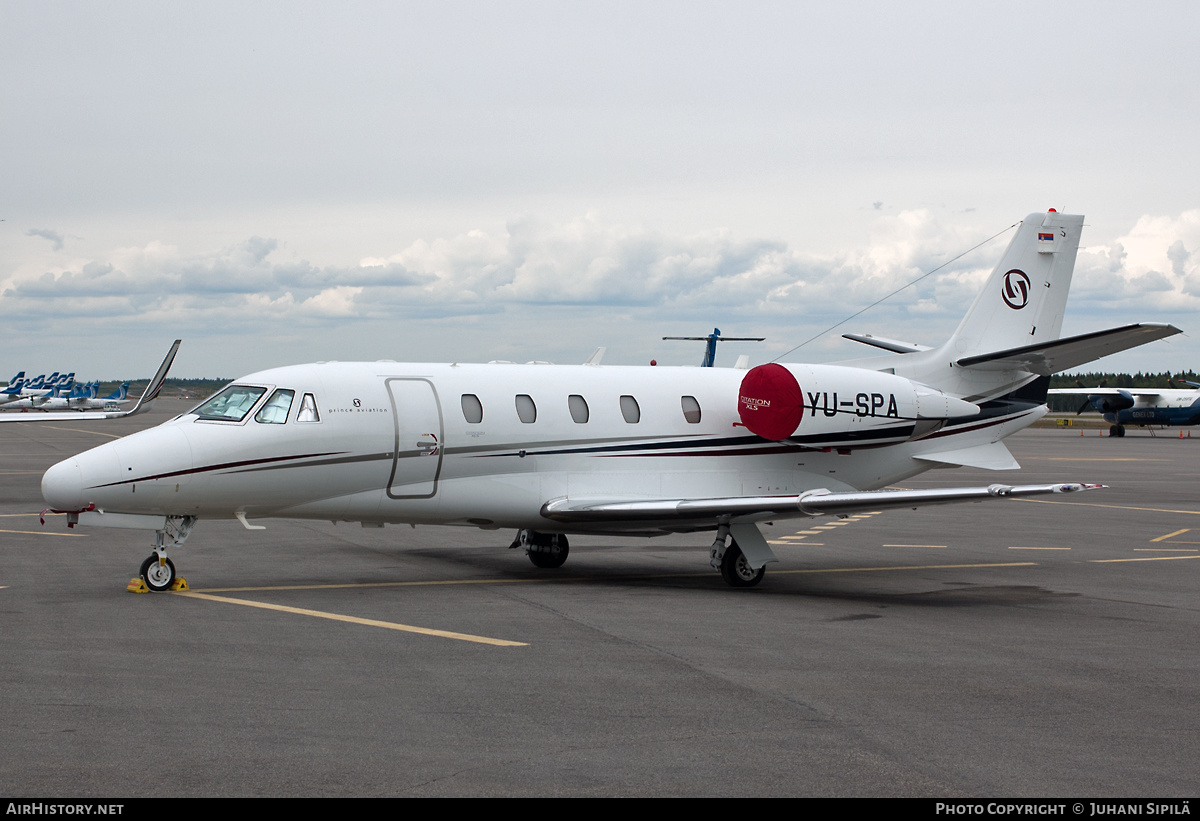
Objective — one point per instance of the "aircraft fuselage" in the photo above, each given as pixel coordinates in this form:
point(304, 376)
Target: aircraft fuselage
point(489, 445)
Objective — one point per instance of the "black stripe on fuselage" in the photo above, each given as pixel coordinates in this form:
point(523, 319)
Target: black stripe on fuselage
point(997, 411)
point(731, 445)
point(223, 466)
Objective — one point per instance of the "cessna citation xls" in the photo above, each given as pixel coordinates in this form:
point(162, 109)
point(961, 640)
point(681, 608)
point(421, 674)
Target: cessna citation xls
point(557, 450)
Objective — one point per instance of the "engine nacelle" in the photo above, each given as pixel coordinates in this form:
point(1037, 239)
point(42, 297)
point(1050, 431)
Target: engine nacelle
point(1109, 403)
point(828, 405)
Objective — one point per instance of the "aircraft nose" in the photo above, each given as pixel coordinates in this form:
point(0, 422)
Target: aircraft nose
point(62, 486)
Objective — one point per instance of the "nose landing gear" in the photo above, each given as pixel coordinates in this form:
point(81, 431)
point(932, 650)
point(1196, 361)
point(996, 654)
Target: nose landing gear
point(158, 571)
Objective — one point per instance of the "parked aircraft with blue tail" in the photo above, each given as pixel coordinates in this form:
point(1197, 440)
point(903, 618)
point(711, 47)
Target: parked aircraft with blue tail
point(1143, 407)
point(83, 397)
point(92, 408)
point(710, 344)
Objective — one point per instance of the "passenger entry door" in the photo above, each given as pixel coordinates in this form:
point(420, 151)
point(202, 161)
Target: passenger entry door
point(417, 454)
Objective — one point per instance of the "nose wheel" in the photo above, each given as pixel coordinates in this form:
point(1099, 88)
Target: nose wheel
point(158, 571)
point(158, 574)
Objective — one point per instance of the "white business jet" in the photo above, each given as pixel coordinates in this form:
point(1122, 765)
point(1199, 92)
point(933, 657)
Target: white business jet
point(556, 450)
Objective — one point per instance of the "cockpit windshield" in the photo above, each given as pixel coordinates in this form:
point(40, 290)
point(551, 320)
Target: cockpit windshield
point(231, 404)
point(275, 410)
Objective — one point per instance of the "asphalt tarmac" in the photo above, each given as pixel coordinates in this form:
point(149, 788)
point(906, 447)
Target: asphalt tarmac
point(1042, 647)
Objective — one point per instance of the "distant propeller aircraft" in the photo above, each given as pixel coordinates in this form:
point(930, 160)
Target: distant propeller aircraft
point(1144, 407)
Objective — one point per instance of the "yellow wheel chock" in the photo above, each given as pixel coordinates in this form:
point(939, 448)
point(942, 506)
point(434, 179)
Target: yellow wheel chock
point(138, 585)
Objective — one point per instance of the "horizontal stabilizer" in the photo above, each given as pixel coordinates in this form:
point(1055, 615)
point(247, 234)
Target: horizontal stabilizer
point(761, 508)
point(1047, 358)
point(994, 456)
point(893, 345)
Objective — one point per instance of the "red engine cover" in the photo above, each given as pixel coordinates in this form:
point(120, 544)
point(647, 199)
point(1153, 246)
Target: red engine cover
point(771, 402)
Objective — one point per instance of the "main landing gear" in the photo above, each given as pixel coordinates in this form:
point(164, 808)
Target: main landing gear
point(158, 571)
point(546, 550)
point(734, 566)
point(1116, 430)
point(739, 552)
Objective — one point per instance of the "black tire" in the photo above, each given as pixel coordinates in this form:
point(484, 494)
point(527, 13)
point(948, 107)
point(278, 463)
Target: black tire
point(550, 556)
point(158, 577)
point(735, 570)
point(1112, 430)
point(1120, 431)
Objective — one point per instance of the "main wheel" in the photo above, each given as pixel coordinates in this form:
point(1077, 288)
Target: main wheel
point(551, 555)
point(1120, 431)
point(735, 570)
point(158, 576)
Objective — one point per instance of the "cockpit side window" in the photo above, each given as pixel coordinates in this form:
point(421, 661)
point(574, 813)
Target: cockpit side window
point(231, 404)
point(308, 410)
point(275, 411)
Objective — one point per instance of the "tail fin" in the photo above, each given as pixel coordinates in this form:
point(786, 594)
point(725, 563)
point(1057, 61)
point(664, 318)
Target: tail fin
point(1010, 336)
point(1024, 299)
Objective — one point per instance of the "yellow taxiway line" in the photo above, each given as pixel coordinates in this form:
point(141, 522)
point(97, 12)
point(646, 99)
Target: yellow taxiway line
point(47, 533)
point(1169, 535)
point(80, 430)
point(1143, 559)
point(903, 567)
point(387, 625)
point(1113, 507)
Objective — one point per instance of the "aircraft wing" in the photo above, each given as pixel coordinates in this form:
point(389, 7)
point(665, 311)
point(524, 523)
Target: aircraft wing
point(1105, 391)
point(143, 404)
point(1070, 352)
point(763, 508)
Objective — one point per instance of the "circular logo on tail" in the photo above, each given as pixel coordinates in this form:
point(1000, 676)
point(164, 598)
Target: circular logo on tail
point(1016, 289)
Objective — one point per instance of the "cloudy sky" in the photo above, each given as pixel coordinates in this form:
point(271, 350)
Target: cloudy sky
point(287, 182)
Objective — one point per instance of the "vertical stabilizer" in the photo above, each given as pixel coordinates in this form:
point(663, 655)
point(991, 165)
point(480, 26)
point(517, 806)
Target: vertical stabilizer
point(1024, 299)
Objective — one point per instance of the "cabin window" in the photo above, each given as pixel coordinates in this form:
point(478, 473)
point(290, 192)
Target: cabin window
point(526, 410)
point(308, 410)
point(472, 408)
point(630, 410)
point(275, 411)
point(231, 404)
point(691, 409)
point(579, 408)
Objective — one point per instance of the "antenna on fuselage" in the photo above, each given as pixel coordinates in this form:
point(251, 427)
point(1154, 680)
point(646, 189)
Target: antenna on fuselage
point(710, 346)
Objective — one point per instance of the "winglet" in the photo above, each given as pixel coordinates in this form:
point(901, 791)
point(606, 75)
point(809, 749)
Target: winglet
point(156, 384)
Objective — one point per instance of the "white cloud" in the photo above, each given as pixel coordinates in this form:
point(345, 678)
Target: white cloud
point(509, 287)
point(1152, 266)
